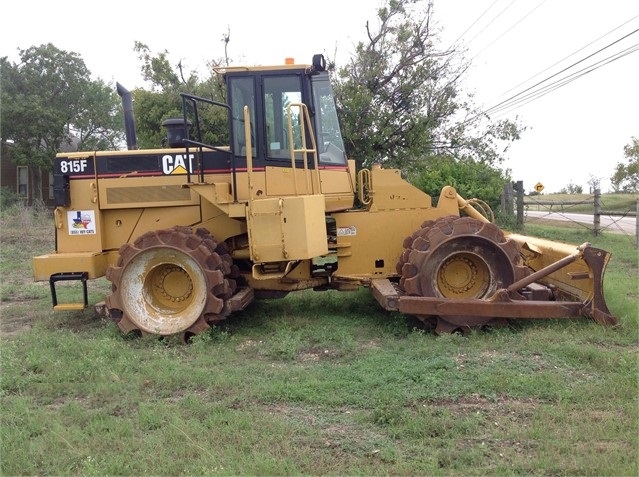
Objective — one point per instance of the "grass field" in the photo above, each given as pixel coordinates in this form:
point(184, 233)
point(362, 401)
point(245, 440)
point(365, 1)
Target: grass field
point(313, 384)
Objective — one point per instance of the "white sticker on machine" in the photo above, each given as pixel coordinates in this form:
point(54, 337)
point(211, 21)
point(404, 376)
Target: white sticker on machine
point(81, 222)
point(344, 231)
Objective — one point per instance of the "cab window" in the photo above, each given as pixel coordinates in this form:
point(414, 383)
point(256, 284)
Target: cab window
point(281, 96)
point(242, 93)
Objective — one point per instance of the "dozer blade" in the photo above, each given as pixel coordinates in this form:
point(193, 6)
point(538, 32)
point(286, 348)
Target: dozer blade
point(575, 281)
point(573, 275)
point(597, 309)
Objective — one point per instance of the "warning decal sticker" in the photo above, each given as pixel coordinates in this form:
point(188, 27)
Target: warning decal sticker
point(346, 231)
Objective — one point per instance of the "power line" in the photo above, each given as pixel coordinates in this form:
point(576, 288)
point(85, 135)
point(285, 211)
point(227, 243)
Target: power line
point(492, 21)
point(540, 89)
point(514, 97)
point(473, 24)
point(560, 82)
point(570, 55)
point(504, 33)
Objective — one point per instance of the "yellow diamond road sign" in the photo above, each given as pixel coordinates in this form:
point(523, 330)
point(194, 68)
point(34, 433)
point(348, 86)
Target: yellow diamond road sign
point(539, 187)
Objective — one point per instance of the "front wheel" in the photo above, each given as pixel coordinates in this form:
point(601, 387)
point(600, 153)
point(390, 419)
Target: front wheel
point(170, 281)
point(459, 258)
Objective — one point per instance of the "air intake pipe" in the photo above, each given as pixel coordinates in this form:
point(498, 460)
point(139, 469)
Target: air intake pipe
point(129, 120)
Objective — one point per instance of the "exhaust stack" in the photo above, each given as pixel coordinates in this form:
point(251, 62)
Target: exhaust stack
point(129, 120)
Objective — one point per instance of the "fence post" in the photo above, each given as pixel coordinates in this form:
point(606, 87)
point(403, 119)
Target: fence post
point(637, 226)
point(597, 216)
point(507, 200)
point(520, 205)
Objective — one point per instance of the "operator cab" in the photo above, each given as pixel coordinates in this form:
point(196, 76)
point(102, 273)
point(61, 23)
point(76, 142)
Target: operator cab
point(279, 99)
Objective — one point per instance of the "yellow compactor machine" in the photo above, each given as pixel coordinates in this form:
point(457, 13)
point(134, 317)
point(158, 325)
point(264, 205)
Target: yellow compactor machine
point(192, 232)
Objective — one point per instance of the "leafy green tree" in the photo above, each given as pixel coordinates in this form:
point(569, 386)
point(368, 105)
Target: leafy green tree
point(571, 188)
point(163, 101)
point(626, 175)
point(400, 98)
point(401, 104)
point(98, 124)
point(157, 70)
point(48, 98)
point(472, 179)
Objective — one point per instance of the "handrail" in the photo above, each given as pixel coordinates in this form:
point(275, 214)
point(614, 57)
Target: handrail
point(193, 100)
point(315, 186)
point(364, 184)
point(249, 153)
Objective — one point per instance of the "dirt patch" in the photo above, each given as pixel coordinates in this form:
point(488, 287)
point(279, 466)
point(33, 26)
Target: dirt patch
point(501, 411)
point(316, 354)
point(11, 324)
point(339, 429)
point(18, 316)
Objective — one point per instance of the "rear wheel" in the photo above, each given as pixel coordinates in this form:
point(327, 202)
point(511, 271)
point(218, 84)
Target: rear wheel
point(170, 281)
point(459, 258)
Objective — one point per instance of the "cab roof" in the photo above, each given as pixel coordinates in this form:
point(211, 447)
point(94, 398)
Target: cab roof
point(238, 69)
point(318, 64)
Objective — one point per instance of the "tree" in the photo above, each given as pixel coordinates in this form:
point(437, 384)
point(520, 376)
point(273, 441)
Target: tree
point(571, 188)
point(47, 99)
point(472, 179)
point(400, 99)
point(626, 176)
point(151, 108)
point(98, 123)
point(401, 104)
point(594, 183)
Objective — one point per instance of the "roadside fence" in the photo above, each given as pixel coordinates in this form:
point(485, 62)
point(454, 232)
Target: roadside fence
point(514, 194)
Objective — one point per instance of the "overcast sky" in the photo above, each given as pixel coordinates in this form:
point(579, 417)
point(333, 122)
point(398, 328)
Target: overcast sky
point(576, 130)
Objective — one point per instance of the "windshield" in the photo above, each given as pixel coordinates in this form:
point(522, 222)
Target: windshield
point(329, 136)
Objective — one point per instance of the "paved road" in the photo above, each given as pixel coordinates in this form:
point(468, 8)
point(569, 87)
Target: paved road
point(626, 225)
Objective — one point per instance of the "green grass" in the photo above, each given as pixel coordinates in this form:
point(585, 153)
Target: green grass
point(315, 384)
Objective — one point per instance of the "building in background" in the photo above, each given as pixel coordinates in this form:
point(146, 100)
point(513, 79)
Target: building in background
point(18, 179)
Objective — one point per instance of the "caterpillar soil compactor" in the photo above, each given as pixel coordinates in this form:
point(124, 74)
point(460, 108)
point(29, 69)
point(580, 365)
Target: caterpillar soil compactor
point(192, 232)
